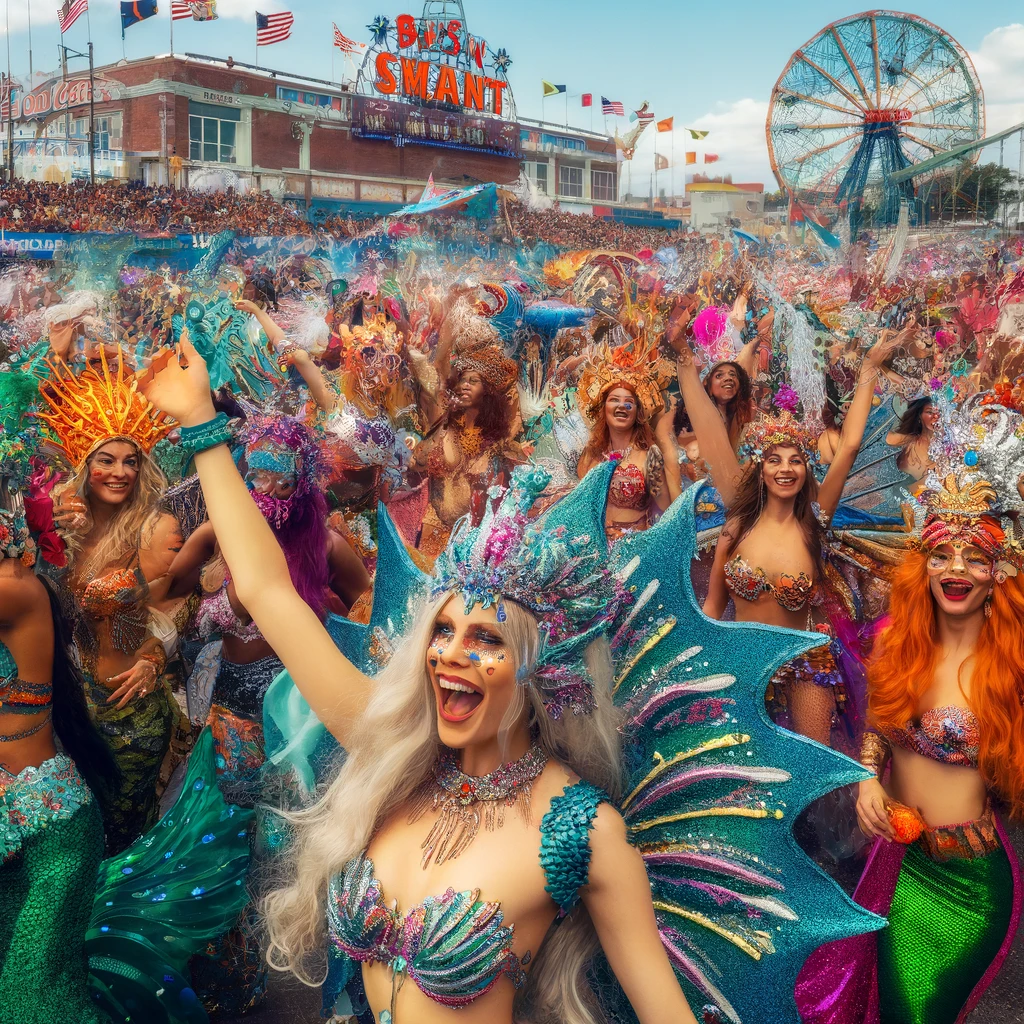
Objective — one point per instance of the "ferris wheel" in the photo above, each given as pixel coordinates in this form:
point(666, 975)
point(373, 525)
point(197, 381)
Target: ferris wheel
point(867, 96)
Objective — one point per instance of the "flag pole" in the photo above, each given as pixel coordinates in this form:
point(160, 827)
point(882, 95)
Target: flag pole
point(654, 186)
point(566, 106)
point(172, 29)
point(29, 7)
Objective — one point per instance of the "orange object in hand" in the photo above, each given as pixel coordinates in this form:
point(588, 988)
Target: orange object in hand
point(906, 822)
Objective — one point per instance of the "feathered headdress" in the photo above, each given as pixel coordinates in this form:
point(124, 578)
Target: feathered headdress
point(784, 430)
point(633, 366)
point(96, 406)
point(556, 573)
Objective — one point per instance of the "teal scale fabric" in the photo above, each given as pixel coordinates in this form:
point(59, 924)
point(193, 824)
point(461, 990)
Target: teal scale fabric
point(565, 842)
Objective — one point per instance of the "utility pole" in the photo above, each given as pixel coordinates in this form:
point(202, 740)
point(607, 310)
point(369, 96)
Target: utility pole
point(92, 120)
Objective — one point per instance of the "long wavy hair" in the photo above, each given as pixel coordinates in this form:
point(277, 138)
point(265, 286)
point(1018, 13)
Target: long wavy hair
point(71, 721)
point(911, 424)
point(902, 668)
point(739, 410)
point(390, 754)
point(749, 502)
point(600, 436)
point(303, 535)
point(122, 537)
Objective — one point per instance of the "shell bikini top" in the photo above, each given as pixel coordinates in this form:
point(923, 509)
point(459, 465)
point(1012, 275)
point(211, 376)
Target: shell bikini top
point(749, 583)
point(948, 734)
point(456, 946)
point(628, 488)
point(217, 616)
point(20, 697)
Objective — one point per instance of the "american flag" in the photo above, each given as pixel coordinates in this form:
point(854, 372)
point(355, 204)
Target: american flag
point(70, 12)
point(273, 28)
point(346, 45)
point(612, 107)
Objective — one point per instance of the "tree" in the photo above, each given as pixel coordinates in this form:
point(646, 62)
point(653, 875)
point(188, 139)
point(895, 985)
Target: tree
point(969, 192)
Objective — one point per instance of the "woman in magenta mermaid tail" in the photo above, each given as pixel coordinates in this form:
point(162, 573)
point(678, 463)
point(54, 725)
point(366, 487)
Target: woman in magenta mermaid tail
point(946, 747)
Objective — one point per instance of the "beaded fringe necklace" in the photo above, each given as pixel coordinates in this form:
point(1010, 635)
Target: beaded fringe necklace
point(459, 797)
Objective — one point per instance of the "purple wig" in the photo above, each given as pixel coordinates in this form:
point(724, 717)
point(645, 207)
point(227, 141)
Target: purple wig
point(303, 533)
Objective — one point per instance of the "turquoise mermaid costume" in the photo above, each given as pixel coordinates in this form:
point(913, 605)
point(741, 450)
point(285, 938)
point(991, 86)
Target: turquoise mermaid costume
point(712, 786)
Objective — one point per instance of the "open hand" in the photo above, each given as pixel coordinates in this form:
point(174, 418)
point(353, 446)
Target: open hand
point(138, 681)
point(178, 384)
point(70, 512)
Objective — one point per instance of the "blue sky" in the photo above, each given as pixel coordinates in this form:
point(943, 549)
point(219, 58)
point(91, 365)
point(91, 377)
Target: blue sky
point(710, 65)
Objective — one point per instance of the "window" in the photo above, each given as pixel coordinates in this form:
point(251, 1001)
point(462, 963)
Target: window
point(570, 182)
point(108, 132)
point(541, 177)
point(603, 186)
point(211, 133)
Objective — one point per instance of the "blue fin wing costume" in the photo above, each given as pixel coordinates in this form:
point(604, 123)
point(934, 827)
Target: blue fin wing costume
point(712, 786)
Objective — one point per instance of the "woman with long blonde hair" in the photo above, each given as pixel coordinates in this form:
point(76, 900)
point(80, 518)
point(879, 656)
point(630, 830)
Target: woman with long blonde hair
point(479, 767)
point(117, 544)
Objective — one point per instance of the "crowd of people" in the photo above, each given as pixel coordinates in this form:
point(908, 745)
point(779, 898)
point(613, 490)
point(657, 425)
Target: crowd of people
point(148, 211)
point(348, 625)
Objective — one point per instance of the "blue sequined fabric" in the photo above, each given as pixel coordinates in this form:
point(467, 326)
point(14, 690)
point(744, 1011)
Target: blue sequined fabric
point(36, 798)
point(454, 946)
point(565, 842)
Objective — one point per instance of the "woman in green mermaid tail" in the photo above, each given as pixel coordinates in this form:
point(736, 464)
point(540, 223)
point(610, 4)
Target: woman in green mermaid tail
point(51, 833)
point(945, 706)
point(117, 545)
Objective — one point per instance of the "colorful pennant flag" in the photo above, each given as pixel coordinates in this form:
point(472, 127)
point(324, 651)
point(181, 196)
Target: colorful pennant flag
point(346, 45)
point(696, 133)
point(612, 107)
point(134, 11)
point(691, 158)
point(710, 158)
point(273, 28)
point(550, 89)
point(70, 12)
point(588, 99)
point(660, 162)
point(197, 10)
point(666, 125)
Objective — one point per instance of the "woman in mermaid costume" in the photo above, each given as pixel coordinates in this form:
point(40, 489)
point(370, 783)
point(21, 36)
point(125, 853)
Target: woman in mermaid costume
point(495, 709)
point(282, 464)
point(118, 544)
point(946, 749)
point(77, 940)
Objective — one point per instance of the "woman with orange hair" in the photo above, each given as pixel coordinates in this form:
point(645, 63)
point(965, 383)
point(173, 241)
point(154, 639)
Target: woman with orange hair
point(946, 748)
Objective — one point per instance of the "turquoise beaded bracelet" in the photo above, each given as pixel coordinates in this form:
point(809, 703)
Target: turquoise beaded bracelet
point(207, 435)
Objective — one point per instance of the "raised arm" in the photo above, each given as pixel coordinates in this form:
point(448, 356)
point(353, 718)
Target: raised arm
point(183, 575)
point(856, 420)
point(275, 334)
point(314, 378)
point(709, 428)
point(335, 689)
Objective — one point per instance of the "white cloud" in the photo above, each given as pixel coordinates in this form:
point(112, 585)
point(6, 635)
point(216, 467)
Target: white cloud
point(999, 62)
point(735, 134)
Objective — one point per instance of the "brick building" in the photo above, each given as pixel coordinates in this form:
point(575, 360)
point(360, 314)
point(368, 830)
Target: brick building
point(229, 125)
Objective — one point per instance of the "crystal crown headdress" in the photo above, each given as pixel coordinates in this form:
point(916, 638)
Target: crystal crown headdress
point(978, 457)
point(97, 406)
point(772, 432)
point(555, 567)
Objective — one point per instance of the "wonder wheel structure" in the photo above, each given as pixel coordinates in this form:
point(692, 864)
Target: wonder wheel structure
point(869, 96)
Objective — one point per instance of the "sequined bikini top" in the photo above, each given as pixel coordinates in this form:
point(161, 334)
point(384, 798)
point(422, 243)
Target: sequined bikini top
point(19, 696)
point(949, 735)
point(749, 583)
point(217, 616)
point(455, 947)
point(628, 488)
